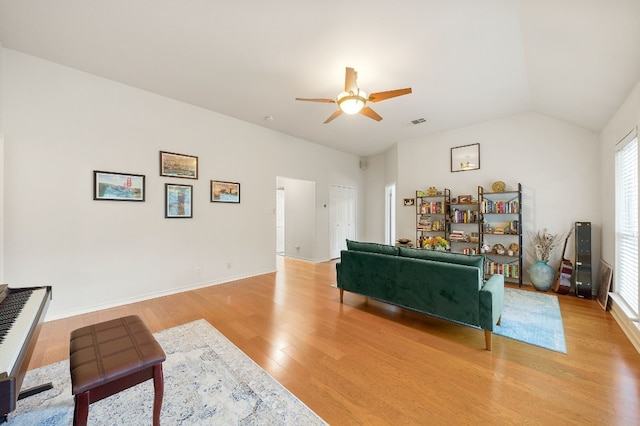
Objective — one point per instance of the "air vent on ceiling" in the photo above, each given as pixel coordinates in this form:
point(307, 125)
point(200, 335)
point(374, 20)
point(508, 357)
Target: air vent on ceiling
point(415, 122)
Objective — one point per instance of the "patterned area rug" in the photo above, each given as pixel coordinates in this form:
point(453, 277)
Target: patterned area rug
point(532, 318)
point(208, 380)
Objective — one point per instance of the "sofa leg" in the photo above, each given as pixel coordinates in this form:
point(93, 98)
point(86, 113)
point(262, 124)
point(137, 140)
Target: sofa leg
point(487, 339)
point(341, 294)
point(499, 320)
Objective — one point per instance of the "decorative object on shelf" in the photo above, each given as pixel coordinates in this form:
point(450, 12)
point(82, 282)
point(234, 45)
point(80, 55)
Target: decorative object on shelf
point(432, 191)
point(498, 249)
point(541, 275)
point(464, 199)
point(498, 186)
point(436, 243)
point(485, 248)
point(404, 242)
point(465, 158)
point(515, 248)
point(409, 201)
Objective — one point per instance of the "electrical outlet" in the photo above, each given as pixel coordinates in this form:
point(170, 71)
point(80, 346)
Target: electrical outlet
point(198, 270)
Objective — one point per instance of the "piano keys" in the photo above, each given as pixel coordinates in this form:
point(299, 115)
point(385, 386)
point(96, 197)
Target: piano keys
point(22, 312)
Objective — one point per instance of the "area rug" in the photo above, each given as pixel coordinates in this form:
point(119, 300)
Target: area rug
point(533, 318)
point(208, 380)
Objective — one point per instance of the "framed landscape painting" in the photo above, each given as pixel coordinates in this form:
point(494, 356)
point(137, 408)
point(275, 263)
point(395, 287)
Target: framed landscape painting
point(225, 192)
point(178, 201)
point(114, 186)
point(465, 158)
point(605, 283)
point(178, 165)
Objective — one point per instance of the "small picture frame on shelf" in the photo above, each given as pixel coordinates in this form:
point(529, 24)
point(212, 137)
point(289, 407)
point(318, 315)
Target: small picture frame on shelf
point(464, 199)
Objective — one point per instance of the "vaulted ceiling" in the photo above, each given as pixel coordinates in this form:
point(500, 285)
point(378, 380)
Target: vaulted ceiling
point(467, 61)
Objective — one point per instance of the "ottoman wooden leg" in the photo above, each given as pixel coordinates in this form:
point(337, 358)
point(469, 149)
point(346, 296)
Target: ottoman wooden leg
point(158, 386)
point(81, 410)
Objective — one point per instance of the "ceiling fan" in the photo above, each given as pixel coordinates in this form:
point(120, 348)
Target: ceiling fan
point(353, 99)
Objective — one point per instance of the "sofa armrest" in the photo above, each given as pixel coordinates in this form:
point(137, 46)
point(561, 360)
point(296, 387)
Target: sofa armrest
point(491, 301)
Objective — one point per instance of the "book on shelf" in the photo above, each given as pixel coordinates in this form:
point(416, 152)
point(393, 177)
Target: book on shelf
point(501, 206)
point(508, 270)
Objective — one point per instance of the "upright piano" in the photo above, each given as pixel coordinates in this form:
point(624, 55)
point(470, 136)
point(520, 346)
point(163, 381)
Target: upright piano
point(22, 311)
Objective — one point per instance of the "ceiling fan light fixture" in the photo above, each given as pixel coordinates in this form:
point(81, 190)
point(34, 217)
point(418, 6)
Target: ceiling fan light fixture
point(350, 102)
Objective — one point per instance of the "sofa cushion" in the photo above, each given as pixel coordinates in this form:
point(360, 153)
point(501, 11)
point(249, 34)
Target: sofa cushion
point(372, 247)
point(476, 260)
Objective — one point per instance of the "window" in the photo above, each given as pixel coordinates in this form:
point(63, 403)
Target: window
point(626, 281)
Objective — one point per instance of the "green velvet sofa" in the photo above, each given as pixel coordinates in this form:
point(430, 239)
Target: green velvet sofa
point(442, 284)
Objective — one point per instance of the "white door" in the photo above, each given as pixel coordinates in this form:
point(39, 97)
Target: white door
point(280, 220)
point(342, 218)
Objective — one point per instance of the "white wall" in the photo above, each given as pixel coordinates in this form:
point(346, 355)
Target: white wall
point(624, 120)
point(2, 237)
point(557, 164)
point(374, 202)
point(61, 124)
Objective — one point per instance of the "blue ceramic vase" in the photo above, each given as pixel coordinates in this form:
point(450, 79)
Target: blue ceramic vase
point(541, 275)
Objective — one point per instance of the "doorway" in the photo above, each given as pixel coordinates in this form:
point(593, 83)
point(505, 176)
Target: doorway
point(295, 218)
point(280, 220)
point(390, 214)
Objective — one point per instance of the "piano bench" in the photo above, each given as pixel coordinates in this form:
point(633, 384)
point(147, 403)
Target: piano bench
point(112, 356)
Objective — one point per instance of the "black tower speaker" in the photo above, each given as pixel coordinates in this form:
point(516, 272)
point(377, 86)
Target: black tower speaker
point(583, 274)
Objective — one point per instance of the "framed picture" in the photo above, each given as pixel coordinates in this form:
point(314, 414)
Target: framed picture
point(114, 186)
point(409, 201)
point(465, 158)
point(606, 273)
point(178, 165)
point(225, 192)
point(178, 201)
point(462, 199)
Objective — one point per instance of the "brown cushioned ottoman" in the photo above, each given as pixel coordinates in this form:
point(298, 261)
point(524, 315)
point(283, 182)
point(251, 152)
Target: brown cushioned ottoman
point(111, 356)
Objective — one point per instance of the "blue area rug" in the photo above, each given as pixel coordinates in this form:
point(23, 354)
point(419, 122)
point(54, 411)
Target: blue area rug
point(533, 318)
point(208, 381)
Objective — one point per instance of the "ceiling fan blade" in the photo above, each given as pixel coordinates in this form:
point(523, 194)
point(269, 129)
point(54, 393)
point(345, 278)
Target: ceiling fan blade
point(326, 101)
point(381, 96)
point(334, 115)
point(350, 78)
point(368, 112)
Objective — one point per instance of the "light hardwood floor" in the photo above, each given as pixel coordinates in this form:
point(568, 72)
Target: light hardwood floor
point(371, 363)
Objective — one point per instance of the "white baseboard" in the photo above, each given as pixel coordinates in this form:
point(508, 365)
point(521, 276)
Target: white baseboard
point(630, 327)
point(154, 295)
